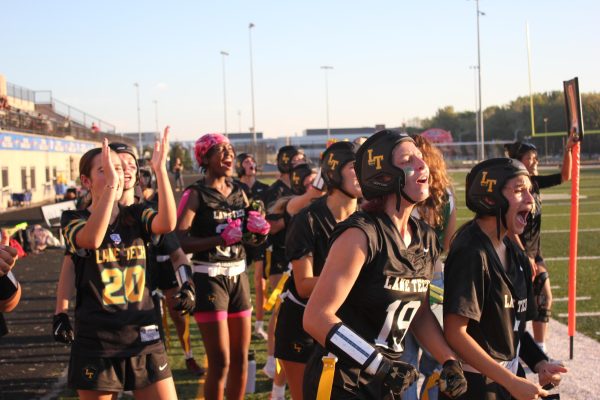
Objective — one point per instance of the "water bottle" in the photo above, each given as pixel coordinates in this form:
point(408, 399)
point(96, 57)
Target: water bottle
point(251, 381)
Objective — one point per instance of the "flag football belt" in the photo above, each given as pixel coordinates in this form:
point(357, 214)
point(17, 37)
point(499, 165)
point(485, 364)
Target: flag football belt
point(326, 379)
point(430, 384)
point(511, 365)
point(233, 268)
point(277, 291)
point(163, 258)
point(290, 296)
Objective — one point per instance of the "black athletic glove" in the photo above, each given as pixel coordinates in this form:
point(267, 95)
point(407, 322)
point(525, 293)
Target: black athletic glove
point(62, 330)
point(397, 376)
point(186, 298)
point(452, 379)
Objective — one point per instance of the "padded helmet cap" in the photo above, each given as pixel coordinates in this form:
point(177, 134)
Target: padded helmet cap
point(285, 156)
point(485, 182)
point(374, 168)
point(299, 173)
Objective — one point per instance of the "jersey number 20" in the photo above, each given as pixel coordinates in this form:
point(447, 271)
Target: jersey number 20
point(122, 287)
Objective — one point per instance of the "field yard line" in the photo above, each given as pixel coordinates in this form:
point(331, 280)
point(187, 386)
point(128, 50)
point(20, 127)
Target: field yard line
point(585, 258)
point(582, 314)
point(564, 203)
point(568, 230)
point(578, 298)
point(546, 215)
point(555, 287)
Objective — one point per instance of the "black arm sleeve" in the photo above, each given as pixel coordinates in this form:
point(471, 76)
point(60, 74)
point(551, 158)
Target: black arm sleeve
point(546, 181)
point(530, 353)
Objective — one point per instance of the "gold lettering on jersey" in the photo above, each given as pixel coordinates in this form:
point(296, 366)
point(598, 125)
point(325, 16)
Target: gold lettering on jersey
point(508, 301)
point(406, 285)
point(375, 160)
point(332, 162)
point(220, 214)
point(115, 254)
point(487, 182)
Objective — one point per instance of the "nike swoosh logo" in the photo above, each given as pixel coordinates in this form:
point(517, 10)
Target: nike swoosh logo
point(162, 367)
point(57, 328)
point(426, 250)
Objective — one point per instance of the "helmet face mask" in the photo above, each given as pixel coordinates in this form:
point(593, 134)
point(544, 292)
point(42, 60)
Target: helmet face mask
point(376, 173)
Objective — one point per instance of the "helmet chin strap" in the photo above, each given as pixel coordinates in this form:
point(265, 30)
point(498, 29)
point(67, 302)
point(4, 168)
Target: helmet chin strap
point(407, 172)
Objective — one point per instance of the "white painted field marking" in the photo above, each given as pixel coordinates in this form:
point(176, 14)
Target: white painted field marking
point(564, 203)
point(578, 298)
point(547, 215)
point(560, 196)
point(554, 287)
point(582, 314)
point(585, 258)
point(568, 230)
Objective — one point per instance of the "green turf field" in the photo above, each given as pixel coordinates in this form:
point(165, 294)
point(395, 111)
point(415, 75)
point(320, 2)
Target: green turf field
point(555, 244)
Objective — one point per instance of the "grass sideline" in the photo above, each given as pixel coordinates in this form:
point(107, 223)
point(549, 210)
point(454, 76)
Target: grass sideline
point(554, 244)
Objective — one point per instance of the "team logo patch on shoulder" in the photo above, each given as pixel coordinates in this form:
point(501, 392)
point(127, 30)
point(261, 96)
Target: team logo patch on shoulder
point(297, 347)
point(89, 373)
point(116, 238)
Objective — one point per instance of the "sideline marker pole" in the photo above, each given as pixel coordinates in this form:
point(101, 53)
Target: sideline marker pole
point(573, 246)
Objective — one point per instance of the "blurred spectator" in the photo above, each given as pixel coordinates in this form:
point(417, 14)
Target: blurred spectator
point(10, 290)
point(178, 172)
point(95, 128)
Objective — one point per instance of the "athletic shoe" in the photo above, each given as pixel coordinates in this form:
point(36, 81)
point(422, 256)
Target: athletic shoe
point(193, 367)
point(261, 334)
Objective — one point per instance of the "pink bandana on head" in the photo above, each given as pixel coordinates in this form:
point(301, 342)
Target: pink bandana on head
point(205, 143)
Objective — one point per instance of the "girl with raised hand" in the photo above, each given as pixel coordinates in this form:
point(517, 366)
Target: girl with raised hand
point(117, 344)
point(214, 218)
point(374, 286)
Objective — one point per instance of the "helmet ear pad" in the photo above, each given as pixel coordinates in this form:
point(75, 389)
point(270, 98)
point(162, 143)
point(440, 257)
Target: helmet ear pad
point(376, 173)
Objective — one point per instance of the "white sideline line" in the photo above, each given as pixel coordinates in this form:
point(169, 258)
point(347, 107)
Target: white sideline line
point(545, 215)
point(568, 230)
point(567, 258)
point(552, 203)
point(554, 287)
point(578, 298)
point(582, 314)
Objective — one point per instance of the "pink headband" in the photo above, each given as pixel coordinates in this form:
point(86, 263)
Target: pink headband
point(205, 143)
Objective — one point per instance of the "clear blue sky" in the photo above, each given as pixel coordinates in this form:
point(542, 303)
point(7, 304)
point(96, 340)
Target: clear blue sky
point(393, 60)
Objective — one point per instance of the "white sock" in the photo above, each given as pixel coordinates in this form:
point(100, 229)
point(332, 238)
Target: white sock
point(278, 391)
point(188, 355)
point(542, 346)
point(258, 325)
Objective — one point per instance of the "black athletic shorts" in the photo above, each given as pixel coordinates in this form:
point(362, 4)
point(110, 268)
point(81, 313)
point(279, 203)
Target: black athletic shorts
point(275, 262)
point(166, 275)
point(222, 293)
point(292, 343)
point(119, 373)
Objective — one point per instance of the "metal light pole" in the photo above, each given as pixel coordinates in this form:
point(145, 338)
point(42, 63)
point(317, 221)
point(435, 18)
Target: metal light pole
point(546, 137)
point(474, 68)
point(137, 91)
point(481, 130)
point(224, 54)
point(156, 117)
point(327, 68)
point(252, 84)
